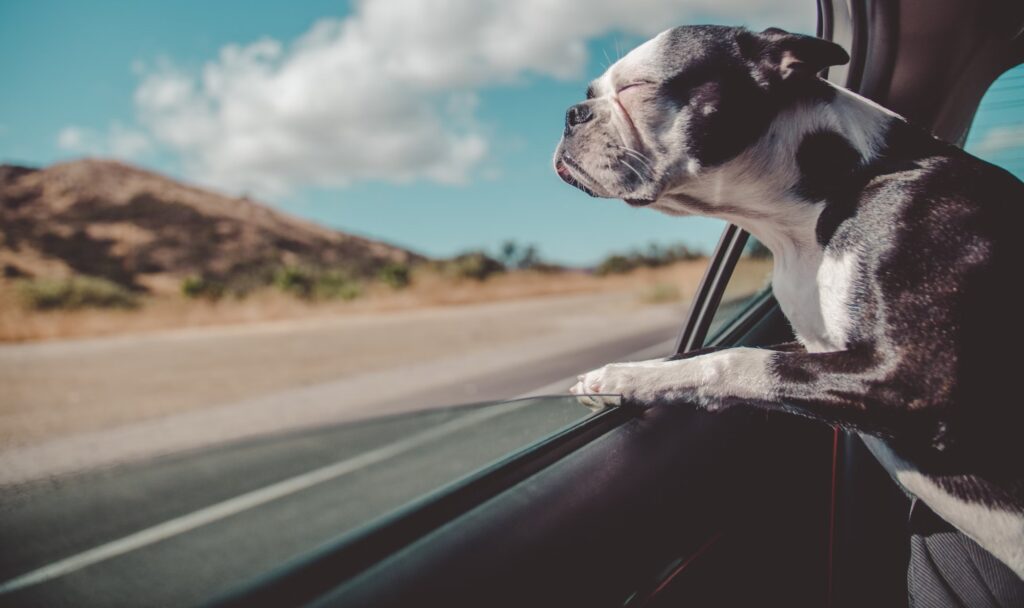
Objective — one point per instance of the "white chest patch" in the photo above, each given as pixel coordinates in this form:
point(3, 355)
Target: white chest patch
point(835, 290)
point(814, 292)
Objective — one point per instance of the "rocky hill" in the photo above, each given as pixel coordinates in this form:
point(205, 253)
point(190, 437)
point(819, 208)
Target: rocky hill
point(148, 232)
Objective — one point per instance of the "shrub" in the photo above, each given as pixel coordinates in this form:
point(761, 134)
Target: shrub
point(396, 275)
point(311, 284)
point(296, 281)
point(75, 293)
point(335, 286)
point(653, 257)
point(202, 287)
point(472, 265)
point(615, 264)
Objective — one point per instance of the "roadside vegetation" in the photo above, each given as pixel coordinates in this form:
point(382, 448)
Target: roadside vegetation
point(655, 256)
point(74, 293)
point(37, 308)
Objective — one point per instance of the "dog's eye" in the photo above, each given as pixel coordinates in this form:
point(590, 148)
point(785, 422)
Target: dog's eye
point(632, 85)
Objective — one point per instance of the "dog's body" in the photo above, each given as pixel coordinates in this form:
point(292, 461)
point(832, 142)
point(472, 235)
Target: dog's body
point(895, 258)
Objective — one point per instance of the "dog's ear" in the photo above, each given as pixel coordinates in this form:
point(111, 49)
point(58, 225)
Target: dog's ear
point(789, 56)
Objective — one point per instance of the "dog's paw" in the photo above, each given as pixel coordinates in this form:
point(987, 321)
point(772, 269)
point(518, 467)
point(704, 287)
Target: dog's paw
point(602, 387)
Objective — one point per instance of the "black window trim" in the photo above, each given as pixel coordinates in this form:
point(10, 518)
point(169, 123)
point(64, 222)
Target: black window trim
point(712, 286)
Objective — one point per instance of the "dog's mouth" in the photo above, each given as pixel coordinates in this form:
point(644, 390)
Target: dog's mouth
point(565, 167)
point(562, 168)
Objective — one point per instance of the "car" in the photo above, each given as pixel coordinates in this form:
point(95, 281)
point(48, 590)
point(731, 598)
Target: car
point(536, 500)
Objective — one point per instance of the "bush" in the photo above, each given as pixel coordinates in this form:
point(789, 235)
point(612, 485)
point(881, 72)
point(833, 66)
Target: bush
point(75, 293)
point(310, 284)
point(472, 265)
point(296, 281)
point(396, 275)
point(615, 264)
point(202, 287)
point(335, 286)
point(653, 257)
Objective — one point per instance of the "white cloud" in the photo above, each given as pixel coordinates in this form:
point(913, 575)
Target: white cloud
point(118, 142)
point(76, 139)
point(389, 93)
point(127, 143)
point(999, 139)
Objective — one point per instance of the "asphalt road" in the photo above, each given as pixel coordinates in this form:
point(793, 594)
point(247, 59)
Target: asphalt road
point(176, 530)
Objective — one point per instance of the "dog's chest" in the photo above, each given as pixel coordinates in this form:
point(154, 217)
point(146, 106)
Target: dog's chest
point(814, 290)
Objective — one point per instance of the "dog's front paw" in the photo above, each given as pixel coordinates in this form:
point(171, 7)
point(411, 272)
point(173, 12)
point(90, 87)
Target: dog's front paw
point(602, 387)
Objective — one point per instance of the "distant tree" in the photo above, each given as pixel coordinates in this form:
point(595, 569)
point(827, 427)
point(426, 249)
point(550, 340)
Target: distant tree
point(513, 255)
point(529, 258)
point(653, 256)
point(509, 253)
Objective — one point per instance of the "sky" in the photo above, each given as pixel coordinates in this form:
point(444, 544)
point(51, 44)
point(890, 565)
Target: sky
point(426, 123)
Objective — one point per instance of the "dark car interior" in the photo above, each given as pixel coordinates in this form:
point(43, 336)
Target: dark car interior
point(673, 506)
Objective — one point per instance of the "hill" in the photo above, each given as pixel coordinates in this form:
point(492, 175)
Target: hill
point(148, 232)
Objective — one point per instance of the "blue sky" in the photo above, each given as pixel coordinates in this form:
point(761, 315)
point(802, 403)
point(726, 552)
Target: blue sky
point(204, 91)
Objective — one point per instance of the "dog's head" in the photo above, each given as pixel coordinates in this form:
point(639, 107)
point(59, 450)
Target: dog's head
point(690, 99)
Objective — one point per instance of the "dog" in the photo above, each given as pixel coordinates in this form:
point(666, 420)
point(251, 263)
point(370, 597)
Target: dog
point(895, 257)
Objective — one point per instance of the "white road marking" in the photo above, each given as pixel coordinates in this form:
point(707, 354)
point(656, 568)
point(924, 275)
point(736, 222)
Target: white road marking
point(249, 500)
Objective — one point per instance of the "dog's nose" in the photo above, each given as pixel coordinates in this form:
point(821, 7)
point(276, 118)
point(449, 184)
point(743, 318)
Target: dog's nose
point(577, 115)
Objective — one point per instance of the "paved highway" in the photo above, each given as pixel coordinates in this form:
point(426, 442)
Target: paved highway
point(178, 529)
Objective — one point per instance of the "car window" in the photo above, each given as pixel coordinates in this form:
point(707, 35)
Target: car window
point(749, 281)
point(997, 134)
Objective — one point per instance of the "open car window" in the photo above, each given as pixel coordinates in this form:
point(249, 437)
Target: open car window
point(748, 284)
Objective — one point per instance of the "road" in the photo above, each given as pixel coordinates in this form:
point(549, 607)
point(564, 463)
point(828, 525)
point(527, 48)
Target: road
point(176, 528)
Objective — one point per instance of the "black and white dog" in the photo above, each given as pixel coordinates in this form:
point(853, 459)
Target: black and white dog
point(896, 258)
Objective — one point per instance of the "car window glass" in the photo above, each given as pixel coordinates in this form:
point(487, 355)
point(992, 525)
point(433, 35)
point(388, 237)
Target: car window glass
point(997, 134)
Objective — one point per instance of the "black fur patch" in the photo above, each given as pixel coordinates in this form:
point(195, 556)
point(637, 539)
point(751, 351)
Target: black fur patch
point(828, 162)
point(831, 170)
point(742, 113)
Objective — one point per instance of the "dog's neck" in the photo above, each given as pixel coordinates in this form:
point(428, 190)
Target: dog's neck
point(757, 190)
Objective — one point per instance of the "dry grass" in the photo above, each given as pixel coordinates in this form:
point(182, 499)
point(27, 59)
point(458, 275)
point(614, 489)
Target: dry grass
point(428, 289)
